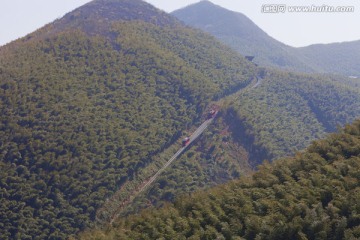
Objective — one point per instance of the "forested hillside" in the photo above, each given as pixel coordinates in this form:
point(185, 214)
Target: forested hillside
point(313, 195)
point(215, 158)
point(84, 109)
point(341, 58)
point(94, 102)
point(287, 111)
point(240, 33)
point(278, 114)
point(283, 114)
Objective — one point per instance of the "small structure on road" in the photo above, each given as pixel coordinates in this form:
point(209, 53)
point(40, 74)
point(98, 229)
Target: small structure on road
point(186, 141)
point(212, 113)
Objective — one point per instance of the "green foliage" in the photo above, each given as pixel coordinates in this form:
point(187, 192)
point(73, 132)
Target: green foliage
point(214, 158)
point(287, 111)
point(340, 58)
point(89, 103)
point(81, 115)
point(283, 114)
point(313, 195)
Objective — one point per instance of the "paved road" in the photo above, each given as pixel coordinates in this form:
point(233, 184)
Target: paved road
point(193, 137)
point(258, 82)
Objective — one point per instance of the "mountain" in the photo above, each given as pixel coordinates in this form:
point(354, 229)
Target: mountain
point(313, 195)
point(240, 33)
point(92, 98)
point(97, 17)
point(340, 58)
point(288, 111)
point(94, 103)
point(279, 115)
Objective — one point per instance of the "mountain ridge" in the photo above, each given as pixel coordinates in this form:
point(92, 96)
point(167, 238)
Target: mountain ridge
point(97, 16)
point(239, 32)
point(338, 58)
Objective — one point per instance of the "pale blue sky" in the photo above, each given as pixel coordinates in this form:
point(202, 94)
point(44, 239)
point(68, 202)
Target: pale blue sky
point(20, 17)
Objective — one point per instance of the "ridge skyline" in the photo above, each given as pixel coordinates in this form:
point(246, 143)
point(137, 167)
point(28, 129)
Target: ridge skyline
point(294, 29)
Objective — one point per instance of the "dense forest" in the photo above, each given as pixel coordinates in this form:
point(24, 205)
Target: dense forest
point(313, 195)
point(94, 103)
point(279, 115)
point(215, 158)
point(287, 111)
point(82, 114)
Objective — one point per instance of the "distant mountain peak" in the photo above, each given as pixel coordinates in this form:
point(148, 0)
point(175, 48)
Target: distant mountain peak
point(241, 33)
point(125, 10)
point(204, 3)
point(97, 17)
point(207, 13)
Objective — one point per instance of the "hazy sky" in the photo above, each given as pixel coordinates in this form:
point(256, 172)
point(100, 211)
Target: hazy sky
point(20, 17)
